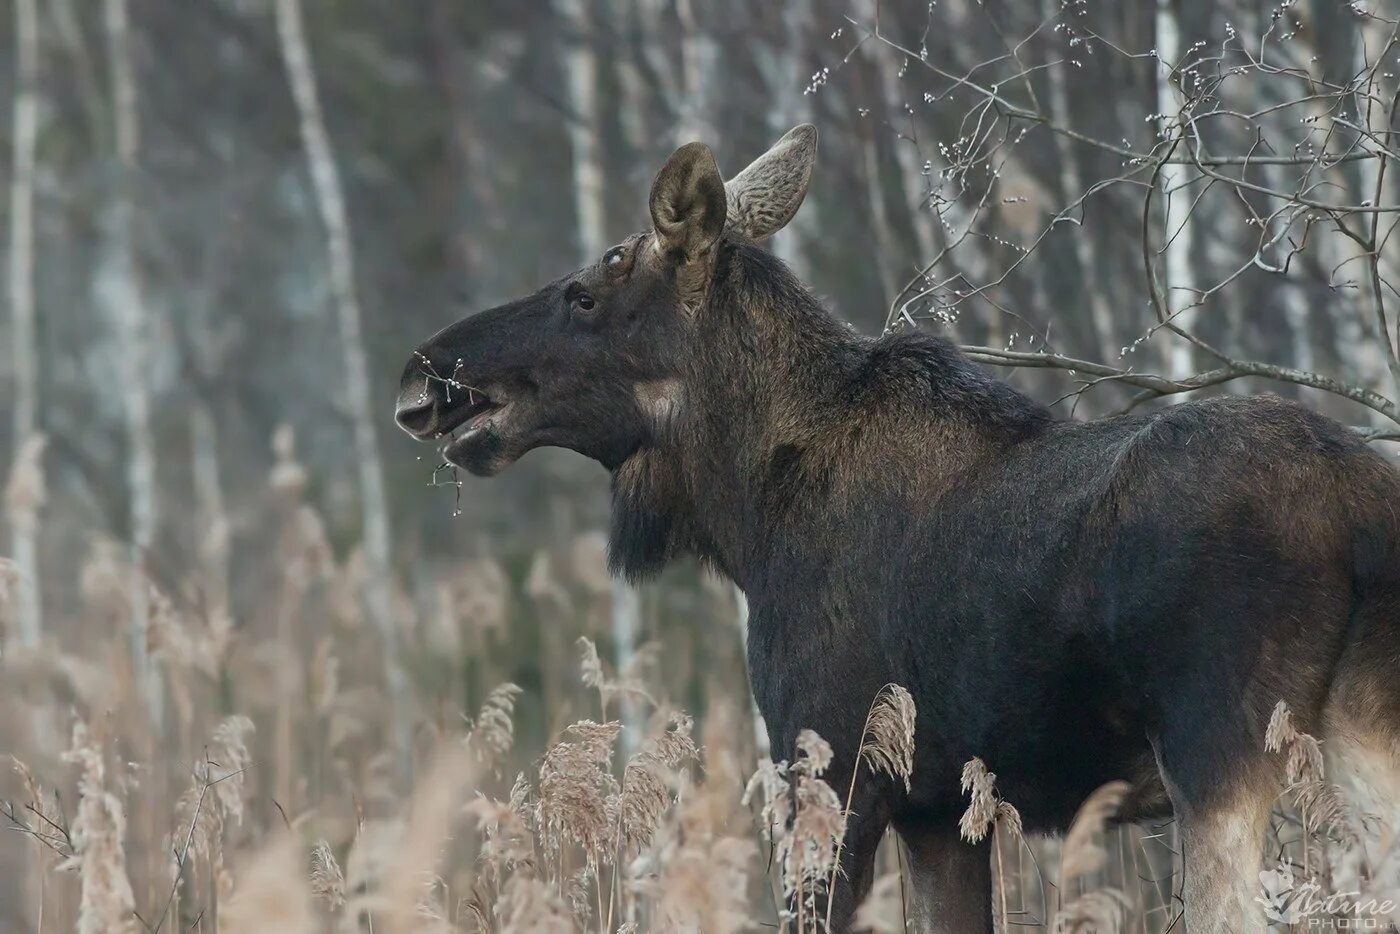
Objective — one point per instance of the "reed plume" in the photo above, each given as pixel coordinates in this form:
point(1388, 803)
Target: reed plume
point(98, 835)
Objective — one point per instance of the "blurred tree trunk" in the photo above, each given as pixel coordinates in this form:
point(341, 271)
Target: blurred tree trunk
point(1374, 40)
point(585, 143)
point(467, 160)
point(330, 201)
point(205, 359)
point(696, 65)
point(1176, 211)
point(22, 507)
point(69, 32)
point(912, 181)
point(213, 523)
point(119, 291)
point(885, 239)
point(784, 65)
point(657, 68)
point(639, 88)
point(1288, 289)
point(585, 132)
point(1072, 185)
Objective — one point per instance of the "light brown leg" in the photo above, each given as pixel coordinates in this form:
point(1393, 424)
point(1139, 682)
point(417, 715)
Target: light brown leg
point(1365, 768)
point(1222, 850)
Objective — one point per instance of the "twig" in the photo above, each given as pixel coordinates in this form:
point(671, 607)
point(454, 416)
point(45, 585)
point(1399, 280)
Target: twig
point(189, 838)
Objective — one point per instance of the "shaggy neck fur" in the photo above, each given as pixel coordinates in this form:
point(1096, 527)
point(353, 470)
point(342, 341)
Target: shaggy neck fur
point(790, 420)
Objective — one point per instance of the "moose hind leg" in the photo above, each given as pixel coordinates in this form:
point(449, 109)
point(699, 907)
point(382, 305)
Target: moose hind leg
point(950, 889)
point(1361, 734)
point(1222, 855)
point(1363, 762)
point(1222, 822)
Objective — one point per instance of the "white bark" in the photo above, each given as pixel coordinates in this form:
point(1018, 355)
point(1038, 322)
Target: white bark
point(698, 55)
point(581, 62)
point(118, 289)
point(24, 522)
point(635, 91)
point(330, 202)
point(585, 144)
point(1176, 279)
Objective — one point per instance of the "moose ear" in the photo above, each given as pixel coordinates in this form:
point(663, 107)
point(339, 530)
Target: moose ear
point(766, 195)
point(688, 201)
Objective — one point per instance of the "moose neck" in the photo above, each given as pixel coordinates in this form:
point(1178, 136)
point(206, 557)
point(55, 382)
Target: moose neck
point(791, 421)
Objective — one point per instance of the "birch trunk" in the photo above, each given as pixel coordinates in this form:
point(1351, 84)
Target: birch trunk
point(24, 516)
point(330, 202)
point(585, 132)
point(1176, 245)
point(119, 291)
point(581, 62)
point(636, 90)
point(697, 60)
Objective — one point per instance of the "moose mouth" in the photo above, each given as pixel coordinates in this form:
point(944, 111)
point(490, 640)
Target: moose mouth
point(470, 426)
point(479, 406)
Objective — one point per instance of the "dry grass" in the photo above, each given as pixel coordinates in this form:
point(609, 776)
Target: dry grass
point(273, 795)
point(662, 841)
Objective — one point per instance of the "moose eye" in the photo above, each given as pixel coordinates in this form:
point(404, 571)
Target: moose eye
point(584, 301)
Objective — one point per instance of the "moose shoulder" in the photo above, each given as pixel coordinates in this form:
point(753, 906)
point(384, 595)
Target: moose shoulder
point(1073, 602)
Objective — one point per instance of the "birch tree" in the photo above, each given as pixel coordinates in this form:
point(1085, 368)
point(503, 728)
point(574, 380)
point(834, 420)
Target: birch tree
point(119, 292)
point(22, 505)
point(330, 202)
point(585, 146)
point(1224, 158)
point(1176, 236)
point(585, 143)
point(696, 63)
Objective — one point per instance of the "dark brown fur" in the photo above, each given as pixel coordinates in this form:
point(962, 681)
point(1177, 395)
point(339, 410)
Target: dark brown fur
point(1072, 602)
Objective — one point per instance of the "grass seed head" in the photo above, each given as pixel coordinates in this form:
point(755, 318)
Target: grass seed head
point(888, 743)
point(491, 735)
point(980, 785)
point(99, 835)
point(327, 879)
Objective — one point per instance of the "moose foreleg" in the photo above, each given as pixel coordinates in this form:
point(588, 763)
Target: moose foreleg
point(865, 826)
point(950, 880)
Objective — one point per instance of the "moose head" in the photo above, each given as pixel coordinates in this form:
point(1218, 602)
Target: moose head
point(597, 361)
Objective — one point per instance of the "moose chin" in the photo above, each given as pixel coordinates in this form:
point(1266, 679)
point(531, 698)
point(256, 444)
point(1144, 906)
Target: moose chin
point(1072, 602)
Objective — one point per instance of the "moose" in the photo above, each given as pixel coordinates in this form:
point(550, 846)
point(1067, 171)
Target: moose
point(1071, 601)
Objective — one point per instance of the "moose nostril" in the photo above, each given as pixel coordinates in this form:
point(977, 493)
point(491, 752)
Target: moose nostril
point(416, 414)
